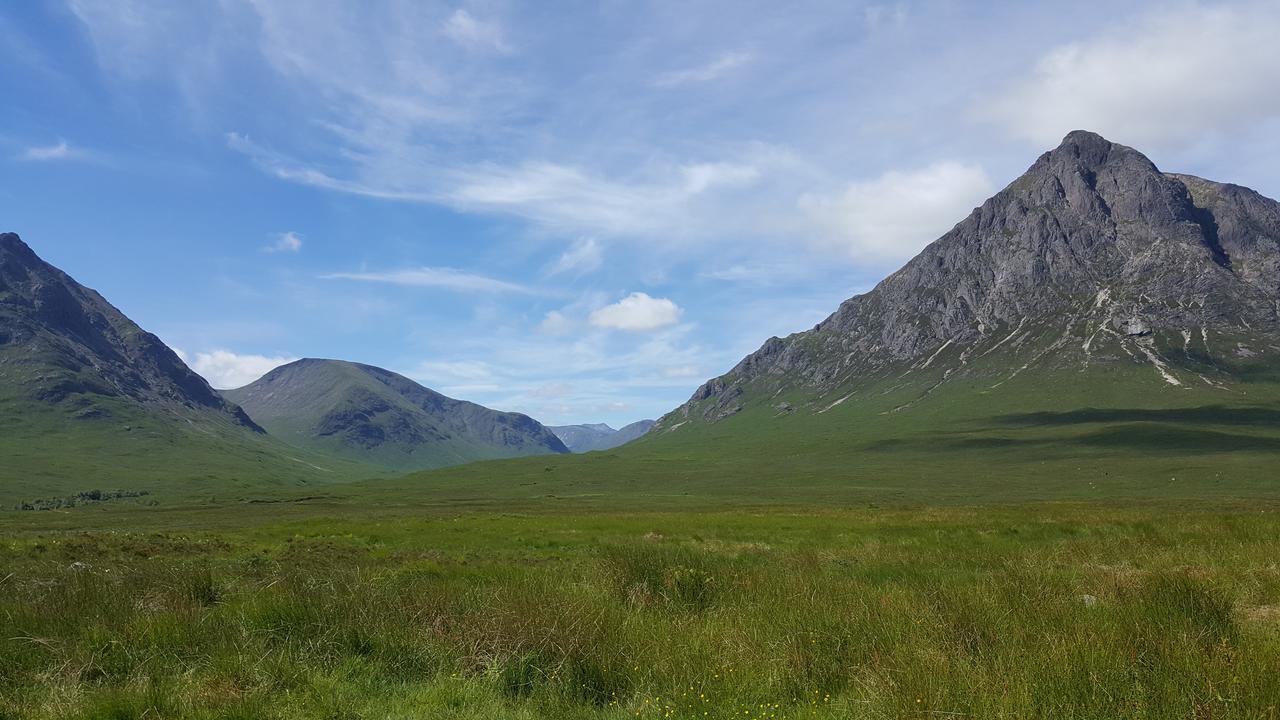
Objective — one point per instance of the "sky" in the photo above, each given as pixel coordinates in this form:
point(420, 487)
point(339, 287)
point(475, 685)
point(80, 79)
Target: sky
point(576, 210)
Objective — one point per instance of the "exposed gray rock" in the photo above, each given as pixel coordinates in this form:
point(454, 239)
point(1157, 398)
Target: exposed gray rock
point(1093, 251)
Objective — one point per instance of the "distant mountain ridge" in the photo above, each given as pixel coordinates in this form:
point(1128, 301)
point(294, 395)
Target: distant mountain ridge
point(599, 436)
point(1091, 261)
point(367, 414)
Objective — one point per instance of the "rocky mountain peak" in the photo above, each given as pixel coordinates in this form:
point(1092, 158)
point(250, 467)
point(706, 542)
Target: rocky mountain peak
point(1088, 148)
point(10, 242)
point(1093, 245)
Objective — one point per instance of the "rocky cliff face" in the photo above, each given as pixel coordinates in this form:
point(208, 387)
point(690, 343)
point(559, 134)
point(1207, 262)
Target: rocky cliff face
point(1092, 256)
point(63, 345)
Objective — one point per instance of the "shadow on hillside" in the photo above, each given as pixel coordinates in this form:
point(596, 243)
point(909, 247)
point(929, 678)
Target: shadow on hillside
point(1140, 437)
point(1204, 415)
point(1175, 439)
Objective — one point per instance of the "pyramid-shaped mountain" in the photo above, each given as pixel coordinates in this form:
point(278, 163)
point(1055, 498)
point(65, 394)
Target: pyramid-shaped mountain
point(1093, 270)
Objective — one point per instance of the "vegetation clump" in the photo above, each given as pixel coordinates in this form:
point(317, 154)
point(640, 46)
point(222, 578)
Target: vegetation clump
point(80, 498)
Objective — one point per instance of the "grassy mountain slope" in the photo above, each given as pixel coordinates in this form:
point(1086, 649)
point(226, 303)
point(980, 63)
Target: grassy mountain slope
point(88, 400)
point(367, 414)
point(49, 456)
point(1038, 436)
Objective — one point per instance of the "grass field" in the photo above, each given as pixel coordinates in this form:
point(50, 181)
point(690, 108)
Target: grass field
point(1044, 610)
point(48, 454)
point(973, 557)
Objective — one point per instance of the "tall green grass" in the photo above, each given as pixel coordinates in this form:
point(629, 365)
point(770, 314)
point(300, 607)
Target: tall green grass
point(1017, 612)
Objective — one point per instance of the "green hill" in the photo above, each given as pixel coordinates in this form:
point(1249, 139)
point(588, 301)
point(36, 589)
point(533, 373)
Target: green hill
point(89, 400)
point(1113, 434)
point(371, 415)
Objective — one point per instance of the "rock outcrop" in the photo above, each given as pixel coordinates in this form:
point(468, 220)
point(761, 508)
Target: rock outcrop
point(1093, 252)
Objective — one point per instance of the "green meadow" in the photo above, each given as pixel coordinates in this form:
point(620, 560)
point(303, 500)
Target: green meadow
point(973, 557)
point(1040, 610)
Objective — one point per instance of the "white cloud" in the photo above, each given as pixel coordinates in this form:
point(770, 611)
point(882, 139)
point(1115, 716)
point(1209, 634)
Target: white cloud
point(703, 73)
point(225, 369)
point(1170, 77)
point(445, 278)
point(465, 29)
point(285, 242)
point(637, 312)
point(61, 151)
point(890, 218)
point(584, 257)
point(555, 324)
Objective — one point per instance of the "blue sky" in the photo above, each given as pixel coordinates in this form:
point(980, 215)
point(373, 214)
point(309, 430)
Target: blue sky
point(576, 210)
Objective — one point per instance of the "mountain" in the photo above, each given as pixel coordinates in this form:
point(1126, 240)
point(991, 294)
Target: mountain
point(64, 345)
point(1098, 328)
point(368, 414)
point(1093, 269)
point(88, 399)
point(585, 438)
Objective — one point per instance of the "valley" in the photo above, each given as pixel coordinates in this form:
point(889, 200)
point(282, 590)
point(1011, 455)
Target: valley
point(1033, 473)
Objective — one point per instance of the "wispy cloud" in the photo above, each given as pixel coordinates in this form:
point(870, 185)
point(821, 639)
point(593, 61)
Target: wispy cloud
point(435, 277)
point(60, 151)
point(286, 169)
point(289, 242)
point(465, 29)
point(568, 198)
point(772, 271)
point(703, 73)
point(584, 256)
point(564, 198)
point(885, 15)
